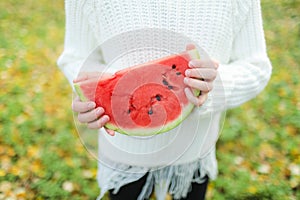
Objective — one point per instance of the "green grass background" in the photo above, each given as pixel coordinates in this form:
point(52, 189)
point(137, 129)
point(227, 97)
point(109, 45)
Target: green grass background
point(41, 156)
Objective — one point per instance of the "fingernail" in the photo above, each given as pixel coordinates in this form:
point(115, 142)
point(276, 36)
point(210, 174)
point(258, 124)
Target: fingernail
point(99, 111)
point(105, 119)
point(91, 105)
point(187, 72)
point(192, 63)
point(185, 80)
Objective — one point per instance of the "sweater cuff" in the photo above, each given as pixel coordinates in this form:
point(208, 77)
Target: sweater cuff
point(226, 82)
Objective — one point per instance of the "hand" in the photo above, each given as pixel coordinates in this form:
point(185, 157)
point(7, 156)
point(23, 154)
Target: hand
point(95, 118)
point(200, 77)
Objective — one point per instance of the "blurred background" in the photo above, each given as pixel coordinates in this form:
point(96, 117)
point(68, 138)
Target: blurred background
point(41, 156)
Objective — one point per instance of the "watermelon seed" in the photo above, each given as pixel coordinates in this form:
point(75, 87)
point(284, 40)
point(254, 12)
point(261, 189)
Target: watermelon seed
point(173, 66)
point(158, 97)
point(165, 82)
point(178, 73)
point(150, 112)
point(170, 87)
point(128, 111)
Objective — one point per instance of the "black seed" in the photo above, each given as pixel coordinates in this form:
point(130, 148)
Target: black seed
point(173, 66)
point(150, 112)
point(158, 98)
point(128, 111)
point(178, 73)
point(170, 87)
point(165, 82)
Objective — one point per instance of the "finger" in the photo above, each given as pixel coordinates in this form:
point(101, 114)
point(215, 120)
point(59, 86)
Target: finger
point(201, 73)
point(203, 86)
point(197, 101)
point(216, 63)
point(110, 132)
point(91, 75)
point(79, 106)
point(190, 47)
point(81, 77)
point(197, 63)
point(91, 115)
point(99, 123)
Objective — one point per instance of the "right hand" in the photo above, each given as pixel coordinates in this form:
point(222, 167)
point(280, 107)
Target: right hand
point(95, 118)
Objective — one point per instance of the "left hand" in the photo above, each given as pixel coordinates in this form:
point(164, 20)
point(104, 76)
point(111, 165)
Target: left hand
point(200, 76)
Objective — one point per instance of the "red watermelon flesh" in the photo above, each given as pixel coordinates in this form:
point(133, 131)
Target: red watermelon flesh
point(143, 100)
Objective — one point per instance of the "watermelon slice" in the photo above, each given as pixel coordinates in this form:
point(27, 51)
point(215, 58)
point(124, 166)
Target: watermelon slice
point(143, 100)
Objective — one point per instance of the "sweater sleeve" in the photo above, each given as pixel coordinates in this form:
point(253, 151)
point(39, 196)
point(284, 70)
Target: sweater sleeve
point(79, 39)
point(249, 69)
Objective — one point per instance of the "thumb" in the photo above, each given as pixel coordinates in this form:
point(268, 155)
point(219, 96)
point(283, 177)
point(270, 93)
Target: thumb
point(190, 47)
point(110, 132)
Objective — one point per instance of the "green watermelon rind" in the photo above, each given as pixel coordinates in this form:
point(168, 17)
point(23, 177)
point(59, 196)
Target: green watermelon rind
point(195, 55)
point(142, 131)
point(79, 92)
point(152, 131)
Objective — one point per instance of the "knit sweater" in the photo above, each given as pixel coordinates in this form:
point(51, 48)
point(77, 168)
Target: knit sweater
point(231, 32)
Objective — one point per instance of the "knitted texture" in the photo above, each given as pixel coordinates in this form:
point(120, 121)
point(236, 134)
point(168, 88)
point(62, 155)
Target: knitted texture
point(230, 31)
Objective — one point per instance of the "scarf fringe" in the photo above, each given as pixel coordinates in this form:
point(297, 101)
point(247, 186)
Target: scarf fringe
point(175, 180)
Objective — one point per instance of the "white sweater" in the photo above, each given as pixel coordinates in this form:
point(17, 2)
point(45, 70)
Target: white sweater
point(231, 32)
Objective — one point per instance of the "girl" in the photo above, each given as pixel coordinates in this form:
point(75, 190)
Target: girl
point(230, 31)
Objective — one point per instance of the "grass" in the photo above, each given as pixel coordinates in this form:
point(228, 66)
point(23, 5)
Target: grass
point(41, 156)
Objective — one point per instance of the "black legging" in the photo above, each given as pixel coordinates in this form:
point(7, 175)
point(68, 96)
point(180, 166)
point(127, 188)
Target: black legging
point(132, 190)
